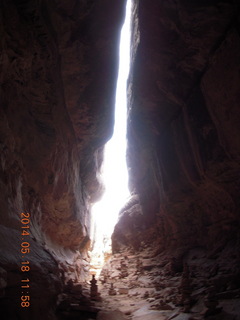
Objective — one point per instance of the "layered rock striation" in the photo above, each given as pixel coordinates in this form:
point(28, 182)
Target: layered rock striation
point(58, 76)
point(59, 63)
point(183, 158)
point(183, 126)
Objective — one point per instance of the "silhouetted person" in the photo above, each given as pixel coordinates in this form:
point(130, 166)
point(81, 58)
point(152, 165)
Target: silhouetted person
point(94, 288)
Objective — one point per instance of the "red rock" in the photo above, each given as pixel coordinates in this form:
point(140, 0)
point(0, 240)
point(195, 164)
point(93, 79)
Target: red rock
point(58, 78)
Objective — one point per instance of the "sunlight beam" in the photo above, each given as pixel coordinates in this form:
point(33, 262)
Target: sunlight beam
point(114, 173)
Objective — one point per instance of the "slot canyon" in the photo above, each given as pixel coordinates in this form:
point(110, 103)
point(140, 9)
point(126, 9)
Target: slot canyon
point(176, 245)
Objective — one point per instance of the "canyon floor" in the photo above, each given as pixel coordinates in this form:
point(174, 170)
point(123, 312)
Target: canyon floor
point(147, 285)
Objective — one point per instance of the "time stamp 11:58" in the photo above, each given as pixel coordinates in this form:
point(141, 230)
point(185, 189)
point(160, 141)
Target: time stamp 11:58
point(25, 265)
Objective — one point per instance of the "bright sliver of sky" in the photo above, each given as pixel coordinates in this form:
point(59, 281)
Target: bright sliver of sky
point(114, 173)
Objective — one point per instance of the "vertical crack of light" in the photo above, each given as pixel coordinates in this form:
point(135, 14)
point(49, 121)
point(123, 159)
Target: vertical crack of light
point(114, 172)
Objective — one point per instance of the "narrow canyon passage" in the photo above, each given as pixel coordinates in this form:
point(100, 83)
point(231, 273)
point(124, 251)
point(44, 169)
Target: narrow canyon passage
point(143, 281)
point(176, 245)
point(143, 284)
point(114, 169)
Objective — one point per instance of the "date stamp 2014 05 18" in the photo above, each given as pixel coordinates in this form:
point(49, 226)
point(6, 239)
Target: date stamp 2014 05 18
point(25, 265)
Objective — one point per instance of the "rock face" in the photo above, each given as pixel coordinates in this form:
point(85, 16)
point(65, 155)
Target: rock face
point(58, 69)
point(59, 63)
point(194, 286)
point(183, 126)
point(180, 229)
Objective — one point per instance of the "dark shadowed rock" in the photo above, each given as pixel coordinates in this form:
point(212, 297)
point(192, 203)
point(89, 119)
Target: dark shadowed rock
point(58, 65)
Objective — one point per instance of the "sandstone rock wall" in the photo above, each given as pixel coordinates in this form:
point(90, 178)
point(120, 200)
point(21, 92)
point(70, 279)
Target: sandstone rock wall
point(183, 126)
point(58, 70)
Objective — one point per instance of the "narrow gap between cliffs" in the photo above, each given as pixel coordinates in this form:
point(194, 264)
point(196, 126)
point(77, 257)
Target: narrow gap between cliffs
point(114, 171)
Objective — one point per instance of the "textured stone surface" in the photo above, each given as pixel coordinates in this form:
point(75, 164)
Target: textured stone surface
point(175, 286)
point(183, 126)
point(58, 67)
point(58, 70)
point(111, 315)
point(183, 158)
